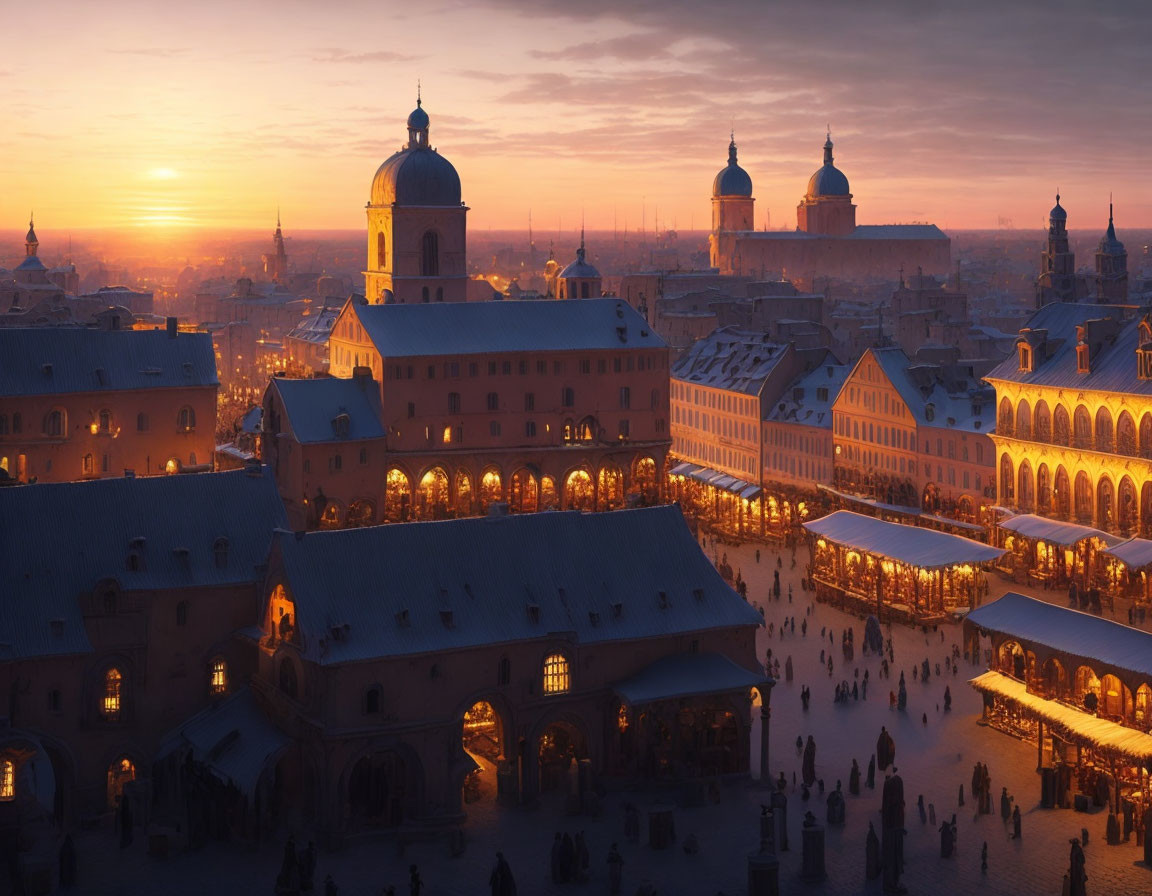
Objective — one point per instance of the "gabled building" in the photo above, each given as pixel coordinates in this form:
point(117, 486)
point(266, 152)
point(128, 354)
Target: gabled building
point(914, 435)
point(123, 610)
point(79, 403)
point(538, 404)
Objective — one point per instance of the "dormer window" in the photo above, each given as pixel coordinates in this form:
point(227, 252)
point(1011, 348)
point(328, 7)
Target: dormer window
point(1025, 352)
point(341, 425)
point(1083, 360)
point(929, 412)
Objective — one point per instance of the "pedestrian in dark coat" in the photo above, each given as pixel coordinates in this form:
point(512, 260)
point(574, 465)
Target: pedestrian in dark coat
point(871, 780)
point(501, 880)
point(1016, 823)
point(809, 765)
point(558, 858)
point(854, 779)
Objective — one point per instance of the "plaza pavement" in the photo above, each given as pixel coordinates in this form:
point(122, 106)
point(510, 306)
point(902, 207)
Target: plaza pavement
point(934, 759)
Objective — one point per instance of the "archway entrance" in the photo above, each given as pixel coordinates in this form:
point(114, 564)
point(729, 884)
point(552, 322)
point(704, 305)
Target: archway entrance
point(579, 493)
point(121, 772)
point(377, 790)
point(483, 738)
point(561, 747)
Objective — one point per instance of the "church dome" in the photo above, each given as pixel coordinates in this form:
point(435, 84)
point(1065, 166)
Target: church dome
point(828, 179)
point(732, 180)
point(1058, 213)
point(417, 174)
point(579, 269)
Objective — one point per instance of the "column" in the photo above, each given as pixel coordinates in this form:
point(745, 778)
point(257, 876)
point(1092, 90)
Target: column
point(765, 689)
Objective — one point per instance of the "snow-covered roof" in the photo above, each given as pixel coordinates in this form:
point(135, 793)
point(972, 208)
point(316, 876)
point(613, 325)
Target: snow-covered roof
point(1069, 631)
point(717, 479)
point(234, 739)
point(1055, 531)
point(954, 404)
point(1136, 553)
point(809, 399)
point(730, 358)
point(479, 328)
point(912, 545)
point(687, 675)
point(1101, 733)
point(386, 591)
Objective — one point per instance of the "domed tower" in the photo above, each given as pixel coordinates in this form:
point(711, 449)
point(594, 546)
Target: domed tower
point(732, 205)
point(1111, 267)
point(580, 280)
point(1057, 281)
point(827, 206)
point(416, 225)
point(31, 271)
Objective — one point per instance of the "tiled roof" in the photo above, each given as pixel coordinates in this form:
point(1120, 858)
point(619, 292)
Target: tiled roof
point(62, 539)
point(1113, 368)
point(65, 360)
point(477, 328)
point(810, 409)
point(730, 358)
point(387, 591)
point(312, 406)
point(921, 384)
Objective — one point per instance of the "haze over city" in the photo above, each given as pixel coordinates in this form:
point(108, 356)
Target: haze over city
point(210, 115)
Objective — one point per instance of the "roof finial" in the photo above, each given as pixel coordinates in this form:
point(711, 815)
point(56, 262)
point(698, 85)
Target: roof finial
point(277, 215)
point(1109, 206)
point(417, 91)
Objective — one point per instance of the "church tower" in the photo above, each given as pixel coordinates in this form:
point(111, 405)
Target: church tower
point(276, 261)
point(827, 206)
point(1057, 281)
point(1111, 267)
point(580, 280)
point(732, 205)
point(416, 225)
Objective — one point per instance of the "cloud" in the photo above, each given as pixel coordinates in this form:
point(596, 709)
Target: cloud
point(335, 54)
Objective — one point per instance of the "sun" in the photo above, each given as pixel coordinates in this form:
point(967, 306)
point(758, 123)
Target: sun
point(163, 173)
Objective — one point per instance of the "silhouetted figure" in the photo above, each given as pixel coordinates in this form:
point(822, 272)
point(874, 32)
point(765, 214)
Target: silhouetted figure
point(67, 862)
point(557, 857)
point(871, 780)
point(415, 884)
point(580, 871)
point(885, 749)
point(567, 858)
point(1077, 877)
point(960, 796)
point(892, 816)
point(946, 842)
point(330, 888)
point(307, 860)
point(501, 880)
point(984, 858)
point(871, 854)
point(1016, 822)
point(289, 877)
point(125, 822)
point(947, 699)
point(809, 765)
point(854, 779)
point(615, 869)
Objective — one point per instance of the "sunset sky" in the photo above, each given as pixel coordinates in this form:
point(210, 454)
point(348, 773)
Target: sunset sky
point(210, 113)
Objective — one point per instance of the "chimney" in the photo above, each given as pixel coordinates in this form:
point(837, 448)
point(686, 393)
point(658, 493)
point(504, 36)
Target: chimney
point(170, 326)
point(362, 375)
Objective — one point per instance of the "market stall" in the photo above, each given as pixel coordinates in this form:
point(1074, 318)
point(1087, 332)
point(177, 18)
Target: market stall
point(1127, 569)
point(898, 572)
point(1050, 553)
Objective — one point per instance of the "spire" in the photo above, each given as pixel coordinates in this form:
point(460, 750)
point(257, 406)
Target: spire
point(732, 148)
point(580, 251)
point(31, 244)
point(417, 93)
point(1111, 227)
point(828, 147)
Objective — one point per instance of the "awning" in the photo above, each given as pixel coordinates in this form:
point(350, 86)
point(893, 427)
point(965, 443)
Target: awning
point(717, 479)
point(912, 545)
point(947, 521)
point(687, 675)
point(1101, 642)
point(1136, 553)
point(1100, 733)
point(1055, 531)
point(234, 739)
point(870, 502)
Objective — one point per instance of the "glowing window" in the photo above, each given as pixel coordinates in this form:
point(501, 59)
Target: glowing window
point(113, 693)
point(219, 681)
point(7, 780)
point(557, 678)
point(622, 720)
point(186, 420)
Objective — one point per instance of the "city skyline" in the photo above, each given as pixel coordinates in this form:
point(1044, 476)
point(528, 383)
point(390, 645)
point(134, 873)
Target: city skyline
point(621, 121)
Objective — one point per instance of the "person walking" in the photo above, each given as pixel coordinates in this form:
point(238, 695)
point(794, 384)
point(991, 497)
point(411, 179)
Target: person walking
point(615, 869)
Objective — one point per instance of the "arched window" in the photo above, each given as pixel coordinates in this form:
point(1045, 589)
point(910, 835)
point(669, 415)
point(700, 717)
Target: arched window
point(7, 780)
point(55, 423)
point(557, 677)
point(220, 553)
point(372, 701)
point(288, 677)
point(113, 701)
point(121, 772)
point(104, 423)
point(430, 255)
point(218, 682)
point(186, 419)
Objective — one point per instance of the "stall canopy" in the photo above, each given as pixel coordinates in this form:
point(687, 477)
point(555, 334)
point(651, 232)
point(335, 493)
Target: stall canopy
point(1100, 733)
point(1070, 631)
point(1136, 553)
point(870, 502)
point(687, 675)
point(234, 739)
point(717, 479)
point(1054, 531)
point(914, 546)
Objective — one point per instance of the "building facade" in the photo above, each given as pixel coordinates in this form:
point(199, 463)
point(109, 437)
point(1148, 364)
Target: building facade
point(1074, 426)
point(827, 242)
point(444, 410)
point(78, 403)
point(914, 435)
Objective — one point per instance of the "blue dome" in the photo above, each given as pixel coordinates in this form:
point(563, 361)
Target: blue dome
point(579, 268)
point(416, 177)
point(828, 179)
point(1058, 213)
point(419, 118)
point(732, 179)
